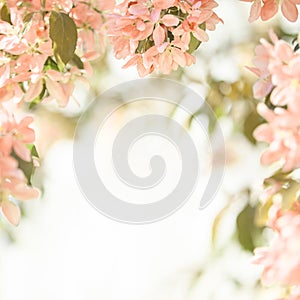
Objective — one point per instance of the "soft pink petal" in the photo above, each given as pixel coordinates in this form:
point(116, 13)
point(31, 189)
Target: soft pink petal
point(255, 10)
point(170, 20)
point(159, 35)
point(269, 10)
point(163, 4)
point(11, 212)
point(289, 10)
point(34, 91)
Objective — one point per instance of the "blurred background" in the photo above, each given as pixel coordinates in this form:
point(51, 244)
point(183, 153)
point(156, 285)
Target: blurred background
point(64, 249)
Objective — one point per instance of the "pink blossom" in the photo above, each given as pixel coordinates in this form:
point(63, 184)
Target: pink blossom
point(13, 185)
point(261, 61)
point(281, 260)
point(282, 133)
point(15, 136)
point(277, 66)
point(283, 67)
point(266, 9)
point(11, 41)
point(29, 72)
point(26, 50)
point(155, 36)
point(84, 15)
point(59, 91)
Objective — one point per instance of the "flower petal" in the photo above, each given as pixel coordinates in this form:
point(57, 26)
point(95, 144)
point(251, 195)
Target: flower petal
point(11, 211)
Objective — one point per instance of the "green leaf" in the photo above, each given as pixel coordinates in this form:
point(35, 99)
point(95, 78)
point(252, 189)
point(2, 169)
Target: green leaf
point(76, 60)
point(252, 121)
point(289, 188)
point(5, 14)
point(27, 167)
point(290, 194)
point(194, 42)
point(33, 151)
point(268, 102)
point(28, 17)
point(262, 212)
point(247, 229)
point(63, 33)
point(39, 98)
point(50, 64)
point(35, 102)
point(217, 221)
point(144, 45)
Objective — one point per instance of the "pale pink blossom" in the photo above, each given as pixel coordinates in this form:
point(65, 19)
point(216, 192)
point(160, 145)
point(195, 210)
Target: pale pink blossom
point(277, 66)
point(281, 260)
point(154, 35)
point(266, 9)
point(85, 15)
point(26, 49)
point(11, 211)
point(264, 54)
point(286, 79)
point(264, 85)
point(13, 186)
point(11, 39)
point(29, 72)
point(282, 133)
point(15, 136)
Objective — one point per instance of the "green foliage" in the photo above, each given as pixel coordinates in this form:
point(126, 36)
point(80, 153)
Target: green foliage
point(195, 43)
point(246, 229)
point(252, 121)
point(28, 17)
point(63, 33)
point(50, 64)
point(288, 189)
point(217, 221)
point(39, 98)
point(262, 212)
point(28, 167)
point(290, 194)
point(5, 14)
point(77, 62)
point(144, 45)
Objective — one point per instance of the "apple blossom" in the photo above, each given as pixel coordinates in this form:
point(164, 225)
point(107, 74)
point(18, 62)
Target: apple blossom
point(266, 9)
point(160, 35)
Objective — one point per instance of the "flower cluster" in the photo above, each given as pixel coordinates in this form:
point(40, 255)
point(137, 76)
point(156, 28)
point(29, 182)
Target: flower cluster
point(160, 34)
point(266, 9)
point(277, 66)
point(45, 45)
point(282, 132)
point(14, 139)
point(281, 260)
